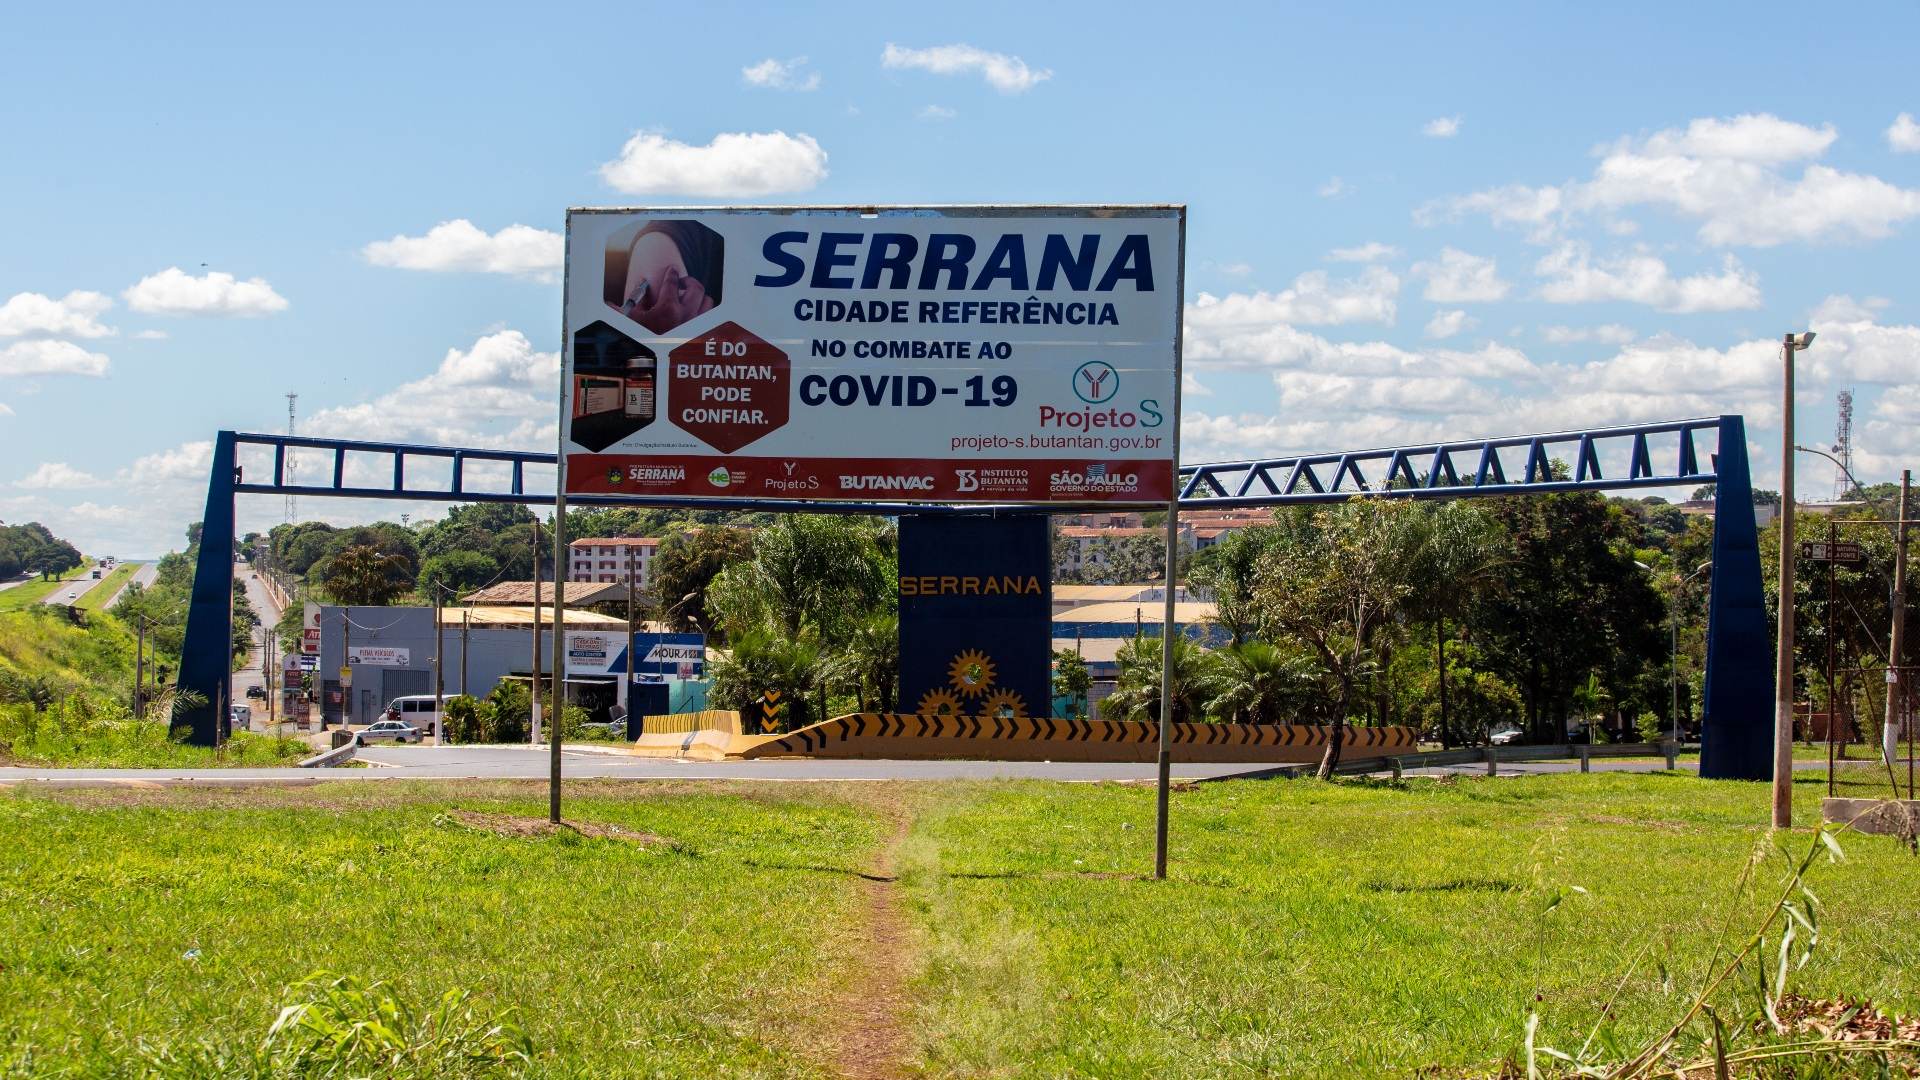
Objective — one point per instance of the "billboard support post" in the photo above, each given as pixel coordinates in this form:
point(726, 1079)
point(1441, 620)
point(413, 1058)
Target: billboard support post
point(1168, 627)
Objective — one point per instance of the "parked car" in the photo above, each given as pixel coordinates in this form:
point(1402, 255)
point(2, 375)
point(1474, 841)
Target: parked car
point(415, 709)
point(398, 730)
point(1504, 734)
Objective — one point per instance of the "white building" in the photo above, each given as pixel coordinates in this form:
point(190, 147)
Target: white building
point(607, 559)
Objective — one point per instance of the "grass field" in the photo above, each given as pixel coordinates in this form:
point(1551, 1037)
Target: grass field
point(96, 599)
point(33, 592)
point(1308, 930)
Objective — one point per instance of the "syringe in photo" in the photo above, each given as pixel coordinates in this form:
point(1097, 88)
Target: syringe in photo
point(615, 386)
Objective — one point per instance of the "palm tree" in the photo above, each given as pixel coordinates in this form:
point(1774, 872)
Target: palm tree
point(1258, 683)
point(870, 658)
point(1137, 693)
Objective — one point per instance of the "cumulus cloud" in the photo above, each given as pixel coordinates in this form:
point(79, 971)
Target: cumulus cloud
point(1314, 299)
point(173, 291)
point(461, 245)
point(1903, 135)
point(1731, 175)
point(1456, 277)
point(1332, 189)
point(56, 476)
point(1441, 127)
point(5, 409)
point(789, 75)
point(1007, 74)
point(76, 314)
point(497, 392)
point(1371, 251)
point(43, 357)
point(1610, 334)
point(1446, 324)
point(1573, 277)
point(733, 164)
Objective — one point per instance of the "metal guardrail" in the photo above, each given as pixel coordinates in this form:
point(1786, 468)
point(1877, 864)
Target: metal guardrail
point(1493, 756)
point(328, 759)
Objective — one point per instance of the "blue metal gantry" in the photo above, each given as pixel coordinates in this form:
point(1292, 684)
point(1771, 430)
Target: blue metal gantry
point(1738, 702)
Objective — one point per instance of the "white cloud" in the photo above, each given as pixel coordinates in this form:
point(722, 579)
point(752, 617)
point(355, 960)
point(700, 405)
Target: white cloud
point(1903, 135)
point(1572, 277)
point(1730, 175)
point(1332, 189)
point(1446, 324)
point(1371, 251)
point(186, 463)
point(1837, 309)
point(5, 409)
point(1007, 74)
point(1442, 127)
point(775, 74)
point(1314, 299)
point(150, 335)
point(1456, 277)
point(56, 476)
point(1610, 334)
point(461, 245)
point(938, 112)
point(50, 358)
point(1235, 269)
point(1191, 387)
point(733, 164)
point(498, 392)
point(175, 292)
point(76, 314)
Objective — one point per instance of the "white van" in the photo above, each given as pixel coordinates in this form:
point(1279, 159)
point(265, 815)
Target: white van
point(418, 710)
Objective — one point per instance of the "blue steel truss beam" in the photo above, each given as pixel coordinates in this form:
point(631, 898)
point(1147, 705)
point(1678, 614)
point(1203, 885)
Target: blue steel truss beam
point(1737, 706)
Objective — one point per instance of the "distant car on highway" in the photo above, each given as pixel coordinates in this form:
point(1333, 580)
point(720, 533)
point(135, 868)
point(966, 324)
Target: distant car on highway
point(397, 730)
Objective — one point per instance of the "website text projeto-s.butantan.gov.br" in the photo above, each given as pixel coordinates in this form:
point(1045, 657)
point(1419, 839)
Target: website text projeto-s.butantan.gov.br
point(1108, 443)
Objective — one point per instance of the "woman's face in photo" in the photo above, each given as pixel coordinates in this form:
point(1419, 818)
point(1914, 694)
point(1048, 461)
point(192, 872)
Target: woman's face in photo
point(659, 295)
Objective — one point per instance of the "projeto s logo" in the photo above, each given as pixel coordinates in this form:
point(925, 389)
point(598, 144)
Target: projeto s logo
point(1095, 382)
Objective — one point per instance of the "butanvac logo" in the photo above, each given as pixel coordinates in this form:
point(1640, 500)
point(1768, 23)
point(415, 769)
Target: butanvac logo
point(886, 483)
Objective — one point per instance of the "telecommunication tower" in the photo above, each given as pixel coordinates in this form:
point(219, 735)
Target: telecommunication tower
point(288, 477)
point(1843, 448)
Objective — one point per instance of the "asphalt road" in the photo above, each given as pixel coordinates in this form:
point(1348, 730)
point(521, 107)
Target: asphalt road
point(251, 675)
point(526, 763)
point(143, 576)
point(72, 591)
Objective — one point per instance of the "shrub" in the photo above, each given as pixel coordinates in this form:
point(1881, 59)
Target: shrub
point(464, 721)
point(1650, 726)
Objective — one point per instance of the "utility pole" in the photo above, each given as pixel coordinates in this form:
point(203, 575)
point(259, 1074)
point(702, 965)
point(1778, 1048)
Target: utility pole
point(534, 735)
point(466, 624)
point(266, 669)
point(626, 692)
point(346, 666)
point(1783, 657)
point(1896, 650)
point(439, 672)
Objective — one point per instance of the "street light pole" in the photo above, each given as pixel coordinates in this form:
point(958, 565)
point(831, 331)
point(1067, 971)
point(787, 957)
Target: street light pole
point(1896, 683)
point(1783, 656)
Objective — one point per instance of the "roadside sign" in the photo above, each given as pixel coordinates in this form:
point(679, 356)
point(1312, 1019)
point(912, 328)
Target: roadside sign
point(378, 655)
point(346, 676)
point(1841, 552)
point(902, 354)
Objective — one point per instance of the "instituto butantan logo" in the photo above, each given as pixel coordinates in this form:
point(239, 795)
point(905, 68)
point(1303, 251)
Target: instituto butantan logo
point(1095, 382)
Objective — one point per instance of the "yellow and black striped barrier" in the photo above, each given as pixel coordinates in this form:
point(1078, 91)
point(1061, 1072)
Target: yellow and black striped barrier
point(904, 735)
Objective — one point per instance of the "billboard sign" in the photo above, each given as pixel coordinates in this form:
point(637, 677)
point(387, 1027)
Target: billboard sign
point(940, 354)
point(378, 655)
point(590, 653)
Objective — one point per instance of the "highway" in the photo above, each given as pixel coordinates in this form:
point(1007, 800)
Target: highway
point(530, 763)
point(71, 592)
point(143, 577)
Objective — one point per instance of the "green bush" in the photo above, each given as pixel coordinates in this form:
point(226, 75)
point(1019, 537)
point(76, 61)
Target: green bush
point(464, 720)
point(511, 713)
point(1650, 726)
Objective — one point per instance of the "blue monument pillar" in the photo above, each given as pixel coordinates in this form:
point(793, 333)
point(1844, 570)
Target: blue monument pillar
point(1737, 716)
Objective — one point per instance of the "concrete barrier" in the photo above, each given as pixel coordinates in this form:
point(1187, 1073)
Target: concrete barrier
point(722, 720)
point(327, 759)
point(903, 735)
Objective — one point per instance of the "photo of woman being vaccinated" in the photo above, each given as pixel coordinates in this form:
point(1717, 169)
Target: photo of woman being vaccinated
point(667, 273)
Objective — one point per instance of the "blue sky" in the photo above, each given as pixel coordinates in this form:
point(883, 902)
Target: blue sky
point(1406, 222)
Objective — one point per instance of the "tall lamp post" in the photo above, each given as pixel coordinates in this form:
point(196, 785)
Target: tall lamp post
point(1783, 656)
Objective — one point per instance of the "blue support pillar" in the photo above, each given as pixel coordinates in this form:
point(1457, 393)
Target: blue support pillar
point(1737, 716)
point(206, 655)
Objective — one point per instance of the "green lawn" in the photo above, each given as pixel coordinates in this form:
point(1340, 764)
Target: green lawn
point(1308, 930)
point(109, 586)
point(33, 592)
point(164, 918)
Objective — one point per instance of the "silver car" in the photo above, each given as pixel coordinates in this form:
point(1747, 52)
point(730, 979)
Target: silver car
point(397, 730)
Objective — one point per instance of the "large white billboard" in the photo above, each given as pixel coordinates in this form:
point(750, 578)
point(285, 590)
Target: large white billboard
point(947, 354)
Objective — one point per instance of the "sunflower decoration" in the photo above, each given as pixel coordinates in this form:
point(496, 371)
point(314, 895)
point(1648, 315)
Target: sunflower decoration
point(1004, 705)
point(971, 673)
point(939, 703)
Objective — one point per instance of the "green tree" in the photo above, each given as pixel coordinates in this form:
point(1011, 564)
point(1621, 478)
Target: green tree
point(808, 571)
point(761, 661)
point(1254, 682)
point(686, 564)
point(363, 575)
point(1136, 694)
point(1071, 680)
point(1227, 573)
point(455, 573)
point(869, 661)
point(1334, 577)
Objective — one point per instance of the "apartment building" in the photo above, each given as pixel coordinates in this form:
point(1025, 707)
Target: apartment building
point(607, 559)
